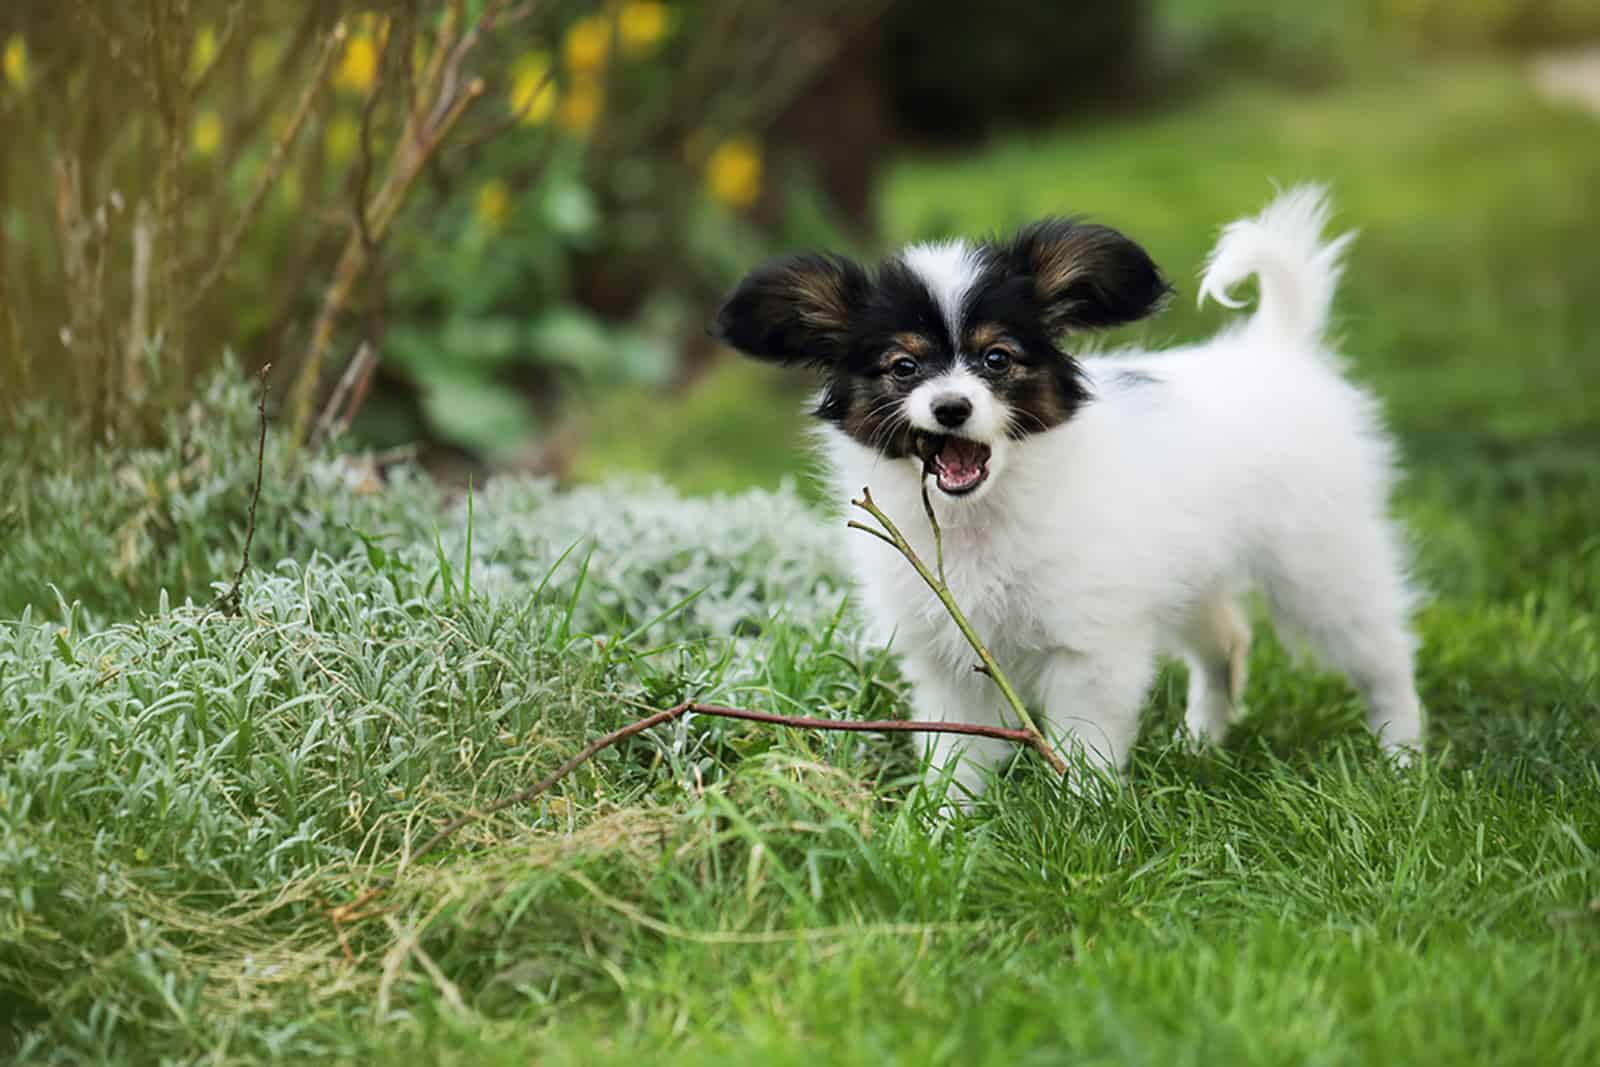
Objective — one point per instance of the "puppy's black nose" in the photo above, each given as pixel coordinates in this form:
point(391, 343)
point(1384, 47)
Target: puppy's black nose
point(952, 411)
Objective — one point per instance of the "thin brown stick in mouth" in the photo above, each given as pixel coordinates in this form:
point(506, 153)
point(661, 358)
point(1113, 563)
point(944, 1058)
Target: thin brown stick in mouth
point(942, 452)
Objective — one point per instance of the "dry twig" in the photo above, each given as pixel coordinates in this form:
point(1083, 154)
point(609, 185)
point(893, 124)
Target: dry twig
point(144, 225)
point(359, 909)
point(271, 170)
point(352, 384)
point(228, 603)
point(451, 94)
point(1029, 736)
point(890, 534)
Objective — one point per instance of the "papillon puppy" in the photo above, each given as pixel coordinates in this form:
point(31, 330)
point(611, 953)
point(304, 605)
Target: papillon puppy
point(1098, 513)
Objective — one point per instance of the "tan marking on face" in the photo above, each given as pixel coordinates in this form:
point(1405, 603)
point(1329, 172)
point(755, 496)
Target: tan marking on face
point(913, 343)
point(905, 344)
point(985, 336)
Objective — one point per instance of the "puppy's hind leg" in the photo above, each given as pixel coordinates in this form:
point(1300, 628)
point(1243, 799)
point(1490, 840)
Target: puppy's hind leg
point(1218, 644)
point(1348, 597)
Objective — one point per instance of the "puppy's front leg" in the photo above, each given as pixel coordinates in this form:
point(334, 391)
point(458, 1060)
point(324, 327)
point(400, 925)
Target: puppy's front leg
point(1092, 700)
point(942, 695)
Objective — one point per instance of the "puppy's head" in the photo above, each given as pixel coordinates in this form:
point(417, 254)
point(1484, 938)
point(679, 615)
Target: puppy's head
point(947, 355)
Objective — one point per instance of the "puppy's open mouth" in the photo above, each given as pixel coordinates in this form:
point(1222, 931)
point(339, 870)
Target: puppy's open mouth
point(958, 465)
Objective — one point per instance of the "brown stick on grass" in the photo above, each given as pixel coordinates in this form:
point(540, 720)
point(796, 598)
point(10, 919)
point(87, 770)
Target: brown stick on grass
point(793, 722)
point(1029, 736)
point(355, 911)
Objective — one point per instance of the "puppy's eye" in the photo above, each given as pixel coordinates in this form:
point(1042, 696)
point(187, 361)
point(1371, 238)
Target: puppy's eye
point(996, 359)
point(904, 367)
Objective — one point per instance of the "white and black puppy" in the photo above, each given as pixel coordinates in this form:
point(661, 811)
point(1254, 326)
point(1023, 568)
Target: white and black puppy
point(1099, 513)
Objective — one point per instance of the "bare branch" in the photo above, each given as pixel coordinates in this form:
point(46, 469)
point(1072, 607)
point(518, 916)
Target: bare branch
point(864, 528)
point(450, 80)
point(277, 86)
point(938, 534)
point(144, 224)
point(79, 335)
point(228, 603)
point(353, 261)
point(358, 190)
point(354, 378)
point(942, 591)
point(89, 11)
point(545, 83)
point(230, 28)
point(355, 911)
point(271, 171)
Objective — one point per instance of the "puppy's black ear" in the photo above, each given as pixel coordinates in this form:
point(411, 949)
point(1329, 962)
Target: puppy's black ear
point(797, 309)
point(1086, 276)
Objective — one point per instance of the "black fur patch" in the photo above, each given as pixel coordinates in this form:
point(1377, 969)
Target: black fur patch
point(863, 396)
point(797, 309)
point(1086, 276)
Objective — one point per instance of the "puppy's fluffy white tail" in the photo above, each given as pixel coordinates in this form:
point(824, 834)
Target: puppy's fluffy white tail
point(1283, 247)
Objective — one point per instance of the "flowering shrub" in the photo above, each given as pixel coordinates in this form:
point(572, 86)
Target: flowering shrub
point(600, 229)
point(506, 201)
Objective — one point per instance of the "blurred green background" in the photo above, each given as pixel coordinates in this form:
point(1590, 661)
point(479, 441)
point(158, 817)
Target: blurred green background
point(490, 233)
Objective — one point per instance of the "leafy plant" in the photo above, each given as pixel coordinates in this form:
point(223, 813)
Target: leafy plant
point(188, 142)
point(581, 250)
point(528, 194)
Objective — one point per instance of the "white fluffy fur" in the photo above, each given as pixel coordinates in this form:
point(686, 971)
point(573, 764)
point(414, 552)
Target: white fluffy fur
point(1133, 529)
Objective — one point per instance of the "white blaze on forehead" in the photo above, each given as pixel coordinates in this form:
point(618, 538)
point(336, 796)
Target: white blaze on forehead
point(948, 269)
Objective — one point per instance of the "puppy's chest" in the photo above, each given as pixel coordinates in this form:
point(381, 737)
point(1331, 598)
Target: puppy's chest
point(995, 586)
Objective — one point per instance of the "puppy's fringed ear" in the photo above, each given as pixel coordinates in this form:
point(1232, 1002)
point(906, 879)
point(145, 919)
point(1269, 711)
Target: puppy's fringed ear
point(794, 310)
point(1086, 276)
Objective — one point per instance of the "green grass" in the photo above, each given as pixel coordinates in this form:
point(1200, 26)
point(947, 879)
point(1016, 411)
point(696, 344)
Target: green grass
point(183, 795)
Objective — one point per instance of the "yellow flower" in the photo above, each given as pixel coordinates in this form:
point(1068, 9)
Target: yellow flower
point(494, 203)
point(641, 24)
point(207, 134)
point(581, 106)
point(342, 138)
point(733, 173)
point(204, 53)
point(533, 94)
point(586, 44)
point(16, 62)
point(359, 67)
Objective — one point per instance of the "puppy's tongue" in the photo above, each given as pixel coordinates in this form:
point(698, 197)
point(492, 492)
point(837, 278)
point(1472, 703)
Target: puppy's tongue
point(961, 464)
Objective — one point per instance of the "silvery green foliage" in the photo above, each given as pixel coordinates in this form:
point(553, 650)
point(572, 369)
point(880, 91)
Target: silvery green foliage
point(400, 655)
point(190, 752)
point(644, 550)
point(115, 528)
point(171, 519)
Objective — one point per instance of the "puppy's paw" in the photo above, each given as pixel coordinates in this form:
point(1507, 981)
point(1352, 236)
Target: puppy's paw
point(1402, 755)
